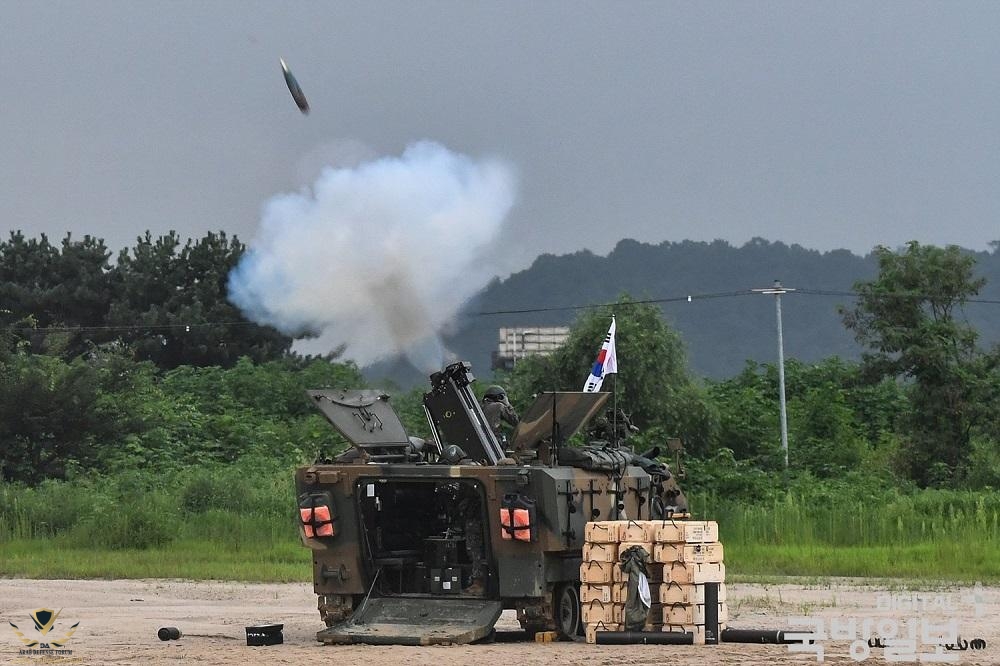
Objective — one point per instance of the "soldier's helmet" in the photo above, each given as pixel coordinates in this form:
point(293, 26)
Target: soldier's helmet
point(452, 454)
point(495, 394)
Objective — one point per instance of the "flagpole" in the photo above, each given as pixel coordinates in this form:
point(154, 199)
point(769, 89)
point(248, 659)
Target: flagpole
point(606, 364)
point(614, 421)
point(614, 394)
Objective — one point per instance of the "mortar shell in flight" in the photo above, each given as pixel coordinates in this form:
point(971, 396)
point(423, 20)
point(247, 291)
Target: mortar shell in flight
point(294, 88)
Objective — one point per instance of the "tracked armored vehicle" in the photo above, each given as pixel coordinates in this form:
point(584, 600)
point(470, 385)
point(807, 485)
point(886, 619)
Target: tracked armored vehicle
point(421, 542)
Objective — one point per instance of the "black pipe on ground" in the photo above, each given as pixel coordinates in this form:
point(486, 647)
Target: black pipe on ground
point(764, 636)
point(645, 638)
point(511, 637)
point(711, 614)
point(168, 633)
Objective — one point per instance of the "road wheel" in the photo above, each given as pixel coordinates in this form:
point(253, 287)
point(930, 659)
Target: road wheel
point(566, 610)
point(335, 608)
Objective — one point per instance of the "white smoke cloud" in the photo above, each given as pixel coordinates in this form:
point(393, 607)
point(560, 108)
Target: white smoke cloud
point(376, 258)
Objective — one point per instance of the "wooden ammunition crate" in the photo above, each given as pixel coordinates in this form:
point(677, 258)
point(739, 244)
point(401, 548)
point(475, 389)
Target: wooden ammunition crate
point(596, 611)
point(687, 531)
point(687, 552)
point(599, 573)
point(600, 552)
point(639, 531)
point(604, 531)
point(691, 613)
point(608, 594)
point(676, 593)
point(590, 630)
point(691, 573)
point(646, 545)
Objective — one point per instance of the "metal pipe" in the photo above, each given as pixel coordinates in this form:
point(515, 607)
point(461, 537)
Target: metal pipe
point(644, 638)
point(764, 636)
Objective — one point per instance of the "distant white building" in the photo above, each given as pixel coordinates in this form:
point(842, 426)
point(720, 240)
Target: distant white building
point(517, 342)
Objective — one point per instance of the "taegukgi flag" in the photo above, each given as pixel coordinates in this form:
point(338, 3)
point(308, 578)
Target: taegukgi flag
point(606, 363)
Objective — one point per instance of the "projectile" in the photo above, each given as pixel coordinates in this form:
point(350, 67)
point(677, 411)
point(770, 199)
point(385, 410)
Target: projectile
point(293, 87)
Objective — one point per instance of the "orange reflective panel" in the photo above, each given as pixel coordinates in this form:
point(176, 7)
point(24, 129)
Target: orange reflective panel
point(521, 524)
point(306, 515)
point(326, 529)
point(322, 514)
point(308, 530)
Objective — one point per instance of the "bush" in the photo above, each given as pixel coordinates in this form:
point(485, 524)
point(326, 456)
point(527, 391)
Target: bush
point(200, 493)
point(983, 469)
point(149, 521)
point(52, 508)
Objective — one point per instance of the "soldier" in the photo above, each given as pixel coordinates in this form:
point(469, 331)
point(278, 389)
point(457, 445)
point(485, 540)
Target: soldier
point(497, 409)
point(613, 431)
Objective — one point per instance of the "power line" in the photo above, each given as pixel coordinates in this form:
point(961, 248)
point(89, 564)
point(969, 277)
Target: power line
point(131, 327)
point(689, 298)
point(671, 299)
point(893, 294)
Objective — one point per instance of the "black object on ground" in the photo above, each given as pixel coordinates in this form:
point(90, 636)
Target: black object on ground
point(265, 634)
point(513, 637)
point(711, 614)
point(766, 636)
point(168, 633)
point(645, 638)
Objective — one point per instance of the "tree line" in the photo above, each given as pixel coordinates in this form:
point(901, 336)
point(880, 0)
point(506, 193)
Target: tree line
point(720, 332)
point(162, 300)
point(919, 406)
point(142, 362)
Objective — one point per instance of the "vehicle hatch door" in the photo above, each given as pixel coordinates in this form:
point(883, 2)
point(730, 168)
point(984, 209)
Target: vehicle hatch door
point(416, 621)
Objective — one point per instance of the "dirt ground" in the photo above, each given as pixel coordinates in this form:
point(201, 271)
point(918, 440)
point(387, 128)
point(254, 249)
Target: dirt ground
point(118, 621)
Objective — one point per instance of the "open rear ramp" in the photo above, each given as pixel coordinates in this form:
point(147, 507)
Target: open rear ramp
point(416, 621)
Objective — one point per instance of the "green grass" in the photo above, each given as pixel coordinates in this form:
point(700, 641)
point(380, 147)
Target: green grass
point(238, 523)
point(930, 535)
point(226, 523)
point(198, 560)
point(290, 562)
point(930, 516)
point(959, 562)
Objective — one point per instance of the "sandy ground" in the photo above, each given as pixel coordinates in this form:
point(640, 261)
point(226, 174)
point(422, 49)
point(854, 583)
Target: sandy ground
point(118, 621)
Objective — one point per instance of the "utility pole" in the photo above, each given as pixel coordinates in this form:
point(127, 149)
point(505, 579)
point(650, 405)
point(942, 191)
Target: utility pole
point(777, 290)
point(524, 342)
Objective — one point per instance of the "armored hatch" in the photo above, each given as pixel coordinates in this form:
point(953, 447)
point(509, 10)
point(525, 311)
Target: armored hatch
point(366, 419)
point(556, 416)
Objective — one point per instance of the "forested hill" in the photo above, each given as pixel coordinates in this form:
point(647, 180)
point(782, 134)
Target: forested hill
point(720, 333)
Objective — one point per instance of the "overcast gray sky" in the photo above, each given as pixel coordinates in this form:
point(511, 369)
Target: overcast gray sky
point(825, 124)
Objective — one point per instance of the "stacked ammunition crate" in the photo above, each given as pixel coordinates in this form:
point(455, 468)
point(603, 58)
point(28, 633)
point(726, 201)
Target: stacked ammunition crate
point(692, 557)
point(603, 585)
point(684, 557)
